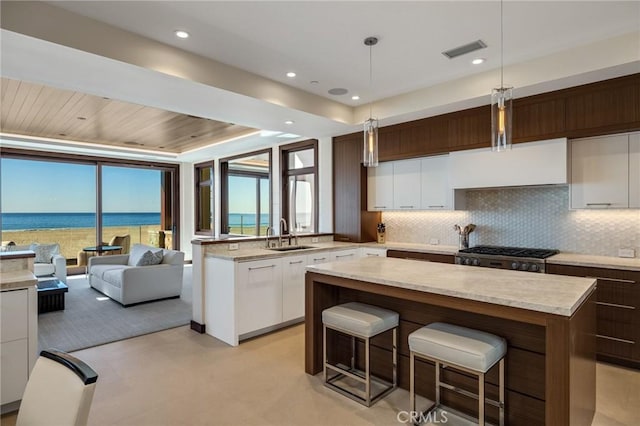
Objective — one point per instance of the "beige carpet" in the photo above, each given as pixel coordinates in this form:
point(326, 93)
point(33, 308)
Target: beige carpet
point(91, 319)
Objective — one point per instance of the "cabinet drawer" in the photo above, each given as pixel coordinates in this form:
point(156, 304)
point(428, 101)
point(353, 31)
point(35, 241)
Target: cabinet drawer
point(14, 364)
point(615, 347)
point(14, 311)
point(618, 292)
point(616, 329)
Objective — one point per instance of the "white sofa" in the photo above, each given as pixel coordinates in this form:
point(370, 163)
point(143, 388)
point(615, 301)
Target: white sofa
point(117, 276)
point(57, 266)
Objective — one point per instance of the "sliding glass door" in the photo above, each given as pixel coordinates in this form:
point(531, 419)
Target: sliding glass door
point(48, 202)
point(81, 202)
point(132, 207)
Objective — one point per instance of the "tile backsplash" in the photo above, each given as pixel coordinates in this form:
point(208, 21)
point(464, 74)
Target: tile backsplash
point(527, 217)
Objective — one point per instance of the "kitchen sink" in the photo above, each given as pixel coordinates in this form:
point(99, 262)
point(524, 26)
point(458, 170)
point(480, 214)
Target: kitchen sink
point(290, 248)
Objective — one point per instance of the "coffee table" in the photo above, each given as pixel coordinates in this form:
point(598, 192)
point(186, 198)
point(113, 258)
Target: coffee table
point(51, 295)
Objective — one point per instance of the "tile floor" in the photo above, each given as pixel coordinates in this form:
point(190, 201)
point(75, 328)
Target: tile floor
point(178, 377)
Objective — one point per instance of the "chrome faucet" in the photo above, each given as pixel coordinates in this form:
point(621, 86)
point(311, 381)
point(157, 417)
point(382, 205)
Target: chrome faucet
point(283, 228)
point(269, 229)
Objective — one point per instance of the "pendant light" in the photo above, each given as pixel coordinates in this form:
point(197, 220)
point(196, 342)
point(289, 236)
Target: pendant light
point(501, 104)
point(370, 148)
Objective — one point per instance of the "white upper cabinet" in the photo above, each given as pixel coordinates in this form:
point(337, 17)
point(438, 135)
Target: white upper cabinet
point(532, 163)
point(436, 193)
point(600, 172)
point(634, 171)
point(406, 185)
point(380, 187)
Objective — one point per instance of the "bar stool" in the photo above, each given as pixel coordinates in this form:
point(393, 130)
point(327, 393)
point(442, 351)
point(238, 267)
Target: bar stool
point(360, 321)
point(461, 348)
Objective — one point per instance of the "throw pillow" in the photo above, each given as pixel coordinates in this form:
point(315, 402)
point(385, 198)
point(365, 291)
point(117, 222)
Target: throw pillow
point(140, 249)
point(149, 258)
point(44, 252)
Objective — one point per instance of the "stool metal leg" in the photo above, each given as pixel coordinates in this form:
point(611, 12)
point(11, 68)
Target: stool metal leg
point(395, 357)
point(324, 352)
point(437, 383)
point(412, 377)
point(367, 372)
point(481, 399)
point(501, 402)
point(353, 352)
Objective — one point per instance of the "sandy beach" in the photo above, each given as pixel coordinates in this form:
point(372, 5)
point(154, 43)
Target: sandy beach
point(73, 240)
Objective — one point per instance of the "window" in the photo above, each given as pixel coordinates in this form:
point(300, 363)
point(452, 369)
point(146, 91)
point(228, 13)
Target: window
point(246, 194)
point(299, 165)
point(204, 198)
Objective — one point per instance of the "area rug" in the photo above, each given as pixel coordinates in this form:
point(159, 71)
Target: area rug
point(92, 319)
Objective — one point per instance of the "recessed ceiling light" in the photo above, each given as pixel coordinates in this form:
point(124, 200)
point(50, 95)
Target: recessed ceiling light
point(291, 74)
point(288, 122)
point(355, 97)
point(314, 82)
point(477, 61)
point(181, 34)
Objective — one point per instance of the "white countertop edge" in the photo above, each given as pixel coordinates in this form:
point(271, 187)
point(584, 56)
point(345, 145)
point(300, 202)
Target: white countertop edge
point(558, 310)
point(594, 261)
point(246, 255)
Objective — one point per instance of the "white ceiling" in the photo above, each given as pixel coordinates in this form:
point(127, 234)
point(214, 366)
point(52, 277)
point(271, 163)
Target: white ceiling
point(323, 41)
point(548, 45)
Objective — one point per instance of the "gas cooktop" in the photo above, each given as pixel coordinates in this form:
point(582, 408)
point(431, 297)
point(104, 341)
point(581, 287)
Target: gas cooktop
point(510, 251)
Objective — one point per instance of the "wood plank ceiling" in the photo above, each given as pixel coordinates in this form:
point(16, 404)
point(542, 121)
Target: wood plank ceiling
point(35, 110)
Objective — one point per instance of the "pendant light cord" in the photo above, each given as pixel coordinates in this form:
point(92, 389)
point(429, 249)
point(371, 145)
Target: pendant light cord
point(501, 47)
point(370, 81)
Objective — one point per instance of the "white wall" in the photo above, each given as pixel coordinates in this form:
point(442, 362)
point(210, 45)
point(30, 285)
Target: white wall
point(325, 182)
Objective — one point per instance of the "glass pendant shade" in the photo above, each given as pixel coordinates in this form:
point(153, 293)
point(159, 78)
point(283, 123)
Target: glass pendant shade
point(501, 116)
point(370, 151)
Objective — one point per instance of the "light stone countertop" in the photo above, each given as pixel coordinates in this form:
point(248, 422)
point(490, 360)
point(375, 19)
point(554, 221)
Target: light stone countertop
point(554, 294)
point(420, 248)
point(249, 254)
point(14, 280)
point(610, 262)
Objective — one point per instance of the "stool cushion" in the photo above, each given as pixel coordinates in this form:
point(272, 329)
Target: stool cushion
point(360, 319)
point(466, 347)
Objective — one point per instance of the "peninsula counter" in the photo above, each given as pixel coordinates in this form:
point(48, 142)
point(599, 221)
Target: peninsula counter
point(547, 320)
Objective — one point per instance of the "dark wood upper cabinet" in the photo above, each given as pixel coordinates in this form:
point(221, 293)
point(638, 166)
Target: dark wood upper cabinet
point(604, 107)
point(610, 106)
point(351, 220)
point(414, 139)
point(470, 129)
point(538, 118)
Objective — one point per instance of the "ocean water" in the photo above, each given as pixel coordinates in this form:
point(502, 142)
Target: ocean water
point(23, 221)
point(247, 219)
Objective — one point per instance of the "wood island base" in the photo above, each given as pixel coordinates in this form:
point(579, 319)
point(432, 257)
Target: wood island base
point(550, 363)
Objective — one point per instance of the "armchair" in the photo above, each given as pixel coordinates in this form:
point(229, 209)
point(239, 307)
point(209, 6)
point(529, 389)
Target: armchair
point(48, 260)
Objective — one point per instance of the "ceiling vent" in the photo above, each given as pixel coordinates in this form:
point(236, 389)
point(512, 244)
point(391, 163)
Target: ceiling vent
point(463, 50)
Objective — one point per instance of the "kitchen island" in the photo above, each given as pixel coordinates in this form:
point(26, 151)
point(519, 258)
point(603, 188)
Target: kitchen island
point(548, 322)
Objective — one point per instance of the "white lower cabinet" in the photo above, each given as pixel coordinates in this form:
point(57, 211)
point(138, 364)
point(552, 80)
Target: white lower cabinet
point(245, 299)
point(293, 270)
point(344, 255)
point(373, 252)
point(18, 341)
point(259, 285)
